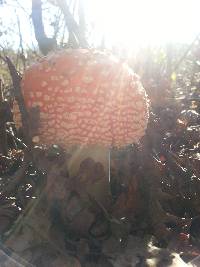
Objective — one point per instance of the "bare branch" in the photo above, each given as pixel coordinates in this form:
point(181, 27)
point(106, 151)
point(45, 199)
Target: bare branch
point(73, 27)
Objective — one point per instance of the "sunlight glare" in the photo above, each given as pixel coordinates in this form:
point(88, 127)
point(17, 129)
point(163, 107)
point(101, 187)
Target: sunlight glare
point(133, 23)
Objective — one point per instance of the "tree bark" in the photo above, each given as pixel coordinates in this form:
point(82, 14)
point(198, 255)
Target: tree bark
point(45, 44)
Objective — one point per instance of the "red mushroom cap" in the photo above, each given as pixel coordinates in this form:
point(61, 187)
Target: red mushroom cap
point(86, 97)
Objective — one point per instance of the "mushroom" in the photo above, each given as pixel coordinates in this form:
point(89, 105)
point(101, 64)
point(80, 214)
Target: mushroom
point(89, 101)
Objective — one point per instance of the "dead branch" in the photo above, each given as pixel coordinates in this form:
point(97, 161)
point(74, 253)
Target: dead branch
point(3, 119)
point(16, 79)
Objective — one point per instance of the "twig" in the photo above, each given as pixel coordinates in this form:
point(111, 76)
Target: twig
point(16, 79)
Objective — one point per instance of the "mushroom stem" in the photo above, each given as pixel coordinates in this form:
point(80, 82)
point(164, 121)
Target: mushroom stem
point(89, 169)
point(80, 153)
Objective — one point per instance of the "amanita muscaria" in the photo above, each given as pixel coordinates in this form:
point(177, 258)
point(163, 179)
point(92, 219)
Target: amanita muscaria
point(86, 98)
